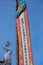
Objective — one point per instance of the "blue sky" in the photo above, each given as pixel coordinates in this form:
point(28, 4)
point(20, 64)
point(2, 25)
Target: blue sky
point(8, 28)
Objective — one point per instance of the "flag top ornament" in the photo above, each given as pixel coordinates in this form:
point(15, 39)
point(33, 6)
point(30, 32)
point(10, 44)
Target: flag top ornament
point(24, 47)
point(21, 7)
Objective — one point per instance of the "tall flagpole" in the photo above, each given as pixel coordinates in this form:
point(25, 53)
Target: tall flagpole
point(16, 5)
point(24, 47)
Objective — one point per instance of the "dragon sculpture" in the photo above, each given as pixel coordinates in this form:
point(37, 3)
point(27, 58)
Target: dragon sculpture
point(7, 56)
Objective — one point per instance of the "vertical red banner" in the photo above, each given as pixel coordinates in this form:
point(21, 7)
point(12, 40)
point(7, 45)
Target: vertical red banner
point(22, 24)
